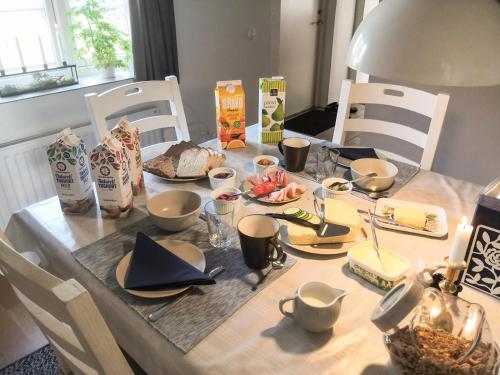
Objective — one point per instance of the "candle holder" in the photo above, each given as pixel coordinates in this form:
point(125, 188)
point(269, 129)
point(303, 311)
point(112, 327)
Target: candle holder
point(448, 284)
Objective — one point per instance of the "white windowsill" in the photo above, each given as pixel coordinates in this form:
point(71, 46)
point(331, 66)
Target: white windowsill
point(87, 81)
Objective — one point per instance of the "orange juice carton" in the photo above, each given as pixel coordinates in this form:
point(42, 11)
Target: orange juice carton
point(110, 171)
point(128, 135)
point(230, 113)
point(271, 109)
point(70, 167)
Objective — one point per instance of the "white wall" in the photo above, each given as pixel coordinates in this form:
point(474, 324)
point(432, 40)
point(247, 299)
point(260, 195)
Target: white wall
point(213, 45)
point(297, 52)
point(47, 113)
point(342, 33)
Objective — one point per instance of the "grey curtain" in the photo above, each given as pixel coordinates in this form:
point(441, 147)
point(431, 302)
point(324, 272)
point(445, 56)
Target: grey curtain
point(154, 44)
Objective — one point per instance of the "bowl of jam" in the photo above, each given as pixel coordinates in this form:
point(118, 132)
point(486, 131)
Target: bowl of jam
point(222, 177)
point(226, 196)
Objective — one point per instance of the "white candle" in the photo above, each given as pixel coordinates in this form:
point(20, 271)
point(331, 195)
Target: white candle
point(19, 52)
point(460, 243)
point(44, 60)
point(58, 42)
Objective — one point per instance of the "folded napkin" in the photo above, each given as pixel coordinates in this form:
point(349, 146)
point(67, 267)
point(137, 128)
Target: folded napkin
point(153, 267)
point(354, 153)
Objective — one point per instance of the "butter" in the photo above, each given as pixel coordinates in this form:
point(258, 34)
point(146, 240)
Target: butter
point(342, 213)
point(364, 262)
point(412, 217)
point(301, 235)
point(391, 265)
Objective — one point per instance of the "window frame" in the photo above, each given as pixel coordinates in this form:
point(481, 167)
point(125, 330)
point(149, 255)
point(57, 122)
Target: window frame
point(64, 47)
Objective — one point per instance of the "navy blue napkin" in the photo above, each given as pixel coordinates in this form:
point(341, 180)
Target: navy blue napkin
point(153, 267)
point(354, 153)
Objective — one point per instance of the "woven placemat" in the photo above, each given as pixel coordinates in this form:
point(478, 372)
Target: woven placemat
point(405, 171)
point(205, 307)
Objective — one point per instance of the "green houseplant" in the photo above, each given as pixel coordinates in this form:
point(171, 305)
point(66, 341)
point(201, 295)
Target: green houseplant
point(97, 40)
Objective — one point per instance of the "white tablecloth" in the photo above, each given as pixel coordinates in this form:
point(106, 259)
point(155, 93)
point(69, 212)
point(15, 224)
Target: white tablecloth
point(257, 339)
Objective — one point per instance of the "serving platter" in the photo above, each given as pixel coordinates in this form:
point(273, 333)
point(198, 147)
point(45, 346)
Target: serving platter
point(178, 179)
point(442, 222)
point(247, 185)
point(184, 250)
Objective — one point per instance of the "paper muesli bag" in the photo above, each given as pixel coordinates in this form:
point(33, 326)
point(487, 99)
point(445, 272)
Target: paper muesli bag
point(128, 135)
point(112, 181)
point(70, 167)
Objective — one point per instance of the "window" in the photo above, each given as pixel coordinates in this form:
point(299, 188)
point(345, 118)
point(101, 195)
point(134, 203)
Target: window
point(38, 32)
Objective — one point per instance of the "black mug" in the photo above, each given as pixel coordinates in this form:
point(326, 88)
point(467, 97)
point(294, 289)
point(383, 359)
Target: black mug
point(259, 240)
point(295, 151)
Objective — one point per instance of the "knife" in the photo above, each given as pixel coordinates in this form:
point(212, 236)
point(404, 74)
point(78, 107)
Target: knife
point(322, 230)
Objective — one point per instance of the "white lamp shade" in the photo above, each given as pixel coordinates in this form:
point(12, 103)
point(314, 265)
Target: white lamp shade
point(433, 42)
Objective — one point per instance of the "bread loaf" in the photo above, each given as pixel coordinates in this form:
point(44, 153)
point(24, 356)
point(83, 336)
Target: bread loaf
point(184, 160)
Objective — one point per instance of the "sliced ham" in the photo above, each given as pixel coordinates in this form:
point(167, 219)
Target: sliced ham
point(291, 191)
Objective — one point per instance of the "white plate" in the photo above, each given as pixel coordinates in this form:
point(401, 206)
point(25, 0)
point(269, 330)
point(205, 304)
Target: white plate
point(184, 250)
point(442, 228)
point(178, 179)
point(247, 185)
point(322, 249)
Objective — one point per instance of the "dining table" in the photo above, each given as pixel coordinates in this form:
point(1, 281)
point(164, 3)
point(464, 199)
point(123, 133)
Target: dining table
point(256, 338)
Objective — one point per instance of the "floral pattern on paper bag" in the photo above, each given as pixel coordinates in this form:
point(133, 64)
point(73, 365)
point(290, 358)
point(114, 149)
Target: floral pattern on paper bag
point(483, 265)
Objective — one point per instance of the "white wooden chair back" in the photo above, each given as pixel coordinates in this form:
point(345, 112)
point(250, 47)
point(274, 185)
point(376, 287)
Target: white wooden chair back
point(66, 314)
point(427, 104)
point(100, 106)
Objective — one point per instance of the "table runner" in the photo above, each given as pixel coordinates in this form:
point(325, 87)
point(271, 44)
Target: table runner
point(206, 306)
point(405, 174)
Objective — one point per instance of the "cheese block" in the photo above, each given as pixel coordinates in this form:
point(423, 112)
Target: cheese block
point(342, 213)
point(301, 235)
point(412, 217)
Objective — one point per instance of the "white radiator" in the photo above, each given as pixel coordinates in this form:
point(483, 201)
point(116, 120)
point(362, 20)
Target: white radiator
point(25, 176)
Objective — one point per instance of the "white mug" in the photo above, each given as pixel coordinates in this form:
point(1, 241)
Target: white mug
point(316, 306)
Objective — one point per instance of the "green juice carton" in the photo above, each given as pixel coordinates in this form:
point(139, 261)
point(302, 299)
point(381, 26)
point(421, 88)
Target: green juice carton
point(272, 109)
point(70, 167)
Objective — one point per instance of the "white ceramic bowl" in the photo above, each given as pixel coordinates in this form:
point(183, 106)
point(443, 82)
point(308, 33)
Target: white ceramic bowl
point(216, 183)
point(259, 169)
point(222, 204)
point(329, 193)
point(174, 210)
point(386, 172)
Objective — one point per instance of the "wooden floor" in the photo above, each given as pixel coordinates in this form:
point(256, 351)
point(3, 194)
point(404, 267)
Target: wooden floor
point(19, 335)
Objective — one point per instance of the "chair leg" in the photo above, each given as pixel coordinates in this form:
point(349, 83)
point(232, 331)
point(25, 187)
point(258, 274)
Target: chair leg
point(63, 367)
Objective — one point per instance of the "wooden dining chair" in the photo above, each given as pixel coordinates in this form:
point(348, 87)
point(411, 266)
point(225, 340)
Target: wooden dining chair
point(66, 314)
point(118, 99)
point(427, 104)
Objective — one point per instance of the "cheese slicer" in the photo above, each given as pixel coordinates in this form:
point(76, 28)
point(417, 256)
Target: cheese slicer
point(322, 230)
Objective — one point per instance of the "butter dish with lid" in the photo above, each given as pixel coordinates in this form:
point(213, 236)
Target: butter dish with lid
point(383, 273)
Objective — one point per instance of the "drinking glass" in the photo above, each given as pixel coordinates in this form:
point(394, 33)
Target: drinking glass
point(326, 162)
point(220, 223)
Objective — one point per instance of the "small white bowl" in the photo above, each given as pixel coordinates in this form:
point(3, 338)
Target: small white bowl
point(259, 169)
point(221, 204)
point(329, 193)
point(174, 210)
point(386, 173)
point(216, 183)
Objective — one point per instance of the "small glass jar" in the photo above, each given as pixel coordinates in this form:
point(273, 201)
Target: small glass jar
point(430, 332)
